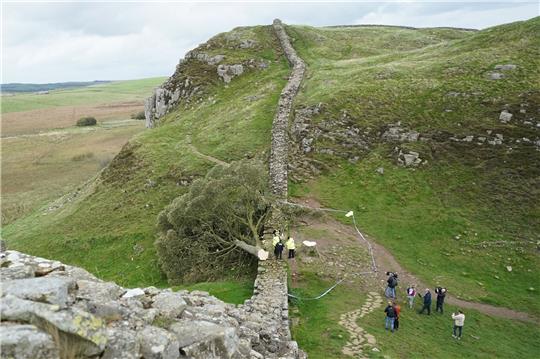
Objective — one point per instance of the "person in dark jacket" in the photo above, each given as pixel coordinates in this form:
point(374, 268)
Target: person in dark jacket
point(279, 249)
point(392, 282)
point(427, 302)
point(390, 317)
point(441, 293)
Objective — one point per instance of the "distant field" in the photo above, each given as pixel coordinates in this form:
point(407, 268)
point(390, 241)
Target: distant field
point(121, 91)
point(44, 119)
point(44, 155)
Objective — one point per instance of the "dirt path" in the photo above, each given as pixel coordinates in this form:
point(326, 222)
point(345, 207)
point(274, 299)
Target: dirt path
point(385, 259)
point(206, 157)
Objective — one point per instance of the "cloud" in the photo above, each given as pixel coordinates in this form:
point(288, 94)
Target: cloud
point(52, 42)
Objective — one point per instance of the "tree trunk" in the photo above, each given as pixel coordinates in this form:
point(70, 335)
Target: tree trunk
point(256, 251)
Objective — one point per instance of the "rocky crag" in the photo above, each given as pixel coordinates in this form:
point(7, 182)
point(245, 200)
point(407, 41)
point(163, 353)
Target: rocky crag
point(52, 310)
point(197, 72)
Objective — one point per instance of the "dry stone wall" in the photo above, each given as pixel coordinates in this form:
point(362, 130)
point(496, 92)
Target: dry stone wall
point(279, 149)
point(48, 307)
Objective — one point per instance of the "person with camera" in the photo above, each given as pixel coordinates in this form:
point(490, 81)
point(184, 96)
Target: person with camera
point(441, 293)
point(392, 283)
point(459, 320)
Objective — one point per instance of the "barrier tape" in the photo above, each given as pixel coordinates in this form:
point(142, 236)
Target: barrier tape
point(319, 296)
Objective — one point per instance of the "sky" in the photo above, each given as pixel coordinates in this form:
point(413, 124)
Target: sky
point(84, 41)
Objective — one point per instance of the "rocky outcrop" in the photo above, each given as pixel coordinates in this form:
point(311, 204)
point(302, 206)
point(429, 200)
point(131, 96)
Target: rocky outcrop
point(48, 308)
point(228, 72)
point(279, 148)
point(198, 71)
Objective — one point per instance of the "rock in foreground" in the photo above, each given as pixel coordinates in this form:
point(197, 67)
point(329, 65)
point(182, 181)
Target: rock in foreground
point(48, 308)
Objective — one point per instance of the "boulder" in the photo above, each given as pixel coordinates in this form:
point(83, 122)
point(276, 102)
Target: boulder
point(505, 116)
point(169, 304)
point(83, 326)
point(228, 72)
point(135, 292)
point(18, 272)
point(202, 339)
point(157, 343)
point(505, 67)
point(495, 76)
point(101, 291)
point(247, 44)
point(22, 341)
point(122, 344)
point(108, 311)
point(51, 290)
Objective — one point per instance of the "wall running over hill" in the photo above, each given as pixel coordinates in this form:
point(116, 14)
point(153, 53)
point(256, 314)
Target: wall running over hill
point(279, 150)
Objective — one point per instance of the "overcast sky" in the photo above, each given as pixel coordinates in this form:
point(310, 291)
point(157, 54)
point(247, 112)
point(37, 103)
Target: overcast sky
point(84, 41)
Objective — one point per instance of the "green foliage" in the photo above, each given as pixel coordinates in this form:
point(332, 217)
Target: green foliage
point(198, 230)
point(138, 116)
point(86, 121)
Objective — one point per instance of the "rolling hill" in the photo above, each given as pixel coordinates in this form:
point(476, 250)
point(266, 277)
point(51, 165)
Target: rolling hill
point(430, 135)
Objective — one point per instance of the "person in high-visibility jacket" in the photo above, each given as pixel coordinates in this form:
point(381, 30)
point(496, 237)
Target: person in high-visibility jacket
point(275, 241)
point(290, 246)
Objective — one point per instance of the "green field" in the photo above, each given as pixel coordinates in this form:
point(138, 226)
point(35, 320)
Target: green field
point(131, 90)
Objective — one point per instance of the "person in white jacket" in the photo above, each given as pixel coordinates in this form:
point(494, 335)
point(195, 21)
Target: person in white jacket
point(459, 320)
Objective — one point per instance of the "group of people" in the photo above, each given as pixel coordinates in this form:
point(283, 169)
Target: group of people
point(278, 245)
point(392, 310)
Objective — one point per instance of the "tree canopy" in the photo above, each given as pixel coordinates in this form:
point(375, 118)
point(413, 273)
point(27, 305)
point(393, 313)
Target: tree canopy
point(200, 233)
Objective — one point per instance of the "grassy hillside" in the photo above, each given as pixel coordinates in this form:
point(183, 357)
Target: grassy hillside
point(472, 210)
point(110, 229)
point(130, 90)
point(458, 219)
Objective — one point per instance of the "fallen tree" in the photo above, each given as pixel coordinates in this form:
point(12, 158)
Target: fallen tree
point(216, 227)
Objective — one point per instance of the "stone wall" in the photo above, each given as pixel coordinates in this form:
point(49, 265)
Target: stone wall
point(269, 307)
point(49, 308)
point(279, 149)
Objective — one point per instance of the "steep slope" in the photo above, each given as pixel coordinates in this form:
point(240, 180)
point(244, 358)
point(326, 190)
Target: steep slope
point(109, 227)
point(412, 130)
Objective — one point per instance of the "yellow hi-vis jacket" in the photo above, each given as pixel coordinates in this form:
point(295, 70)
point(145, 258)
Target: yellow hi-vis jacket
point(275, 241)
point(290, 244)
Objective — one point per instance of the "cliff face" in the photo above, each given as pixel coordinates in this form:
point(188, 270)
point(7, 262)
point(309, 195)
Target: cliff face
point(50, 309)
point(214, 63)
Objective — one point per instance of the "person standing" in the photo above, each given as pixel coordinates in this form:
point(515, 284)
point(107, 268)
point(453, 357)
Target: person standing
point(390, 317)
point(397, 311)
point(427, 302)
point(459, 320)
point(291, 247)
point(275, 241)
point(392, 283)
point(411, 294)
point(279, 249)
point(441, 293)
